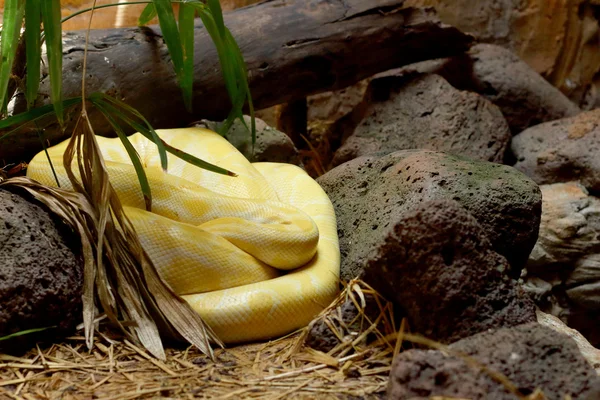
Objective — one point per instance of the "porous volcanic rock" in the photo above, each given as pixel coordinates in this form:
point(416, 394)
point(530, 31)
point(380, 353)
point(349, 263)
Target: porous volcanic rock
point(426, 112)
point(41, 278)
point(561, 151)
point(531, 356)
point(524, 97)
point(439, 267)
point(370, 192)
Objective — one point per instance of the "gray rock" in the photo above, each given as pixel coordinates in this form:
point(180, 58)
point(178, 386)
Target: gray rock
point(426, 112)
point(525, 97)
point(561, 151)
point(271, 145)
point(438, 266)
point(41, 278)
point(368, 193)
point(531, 356)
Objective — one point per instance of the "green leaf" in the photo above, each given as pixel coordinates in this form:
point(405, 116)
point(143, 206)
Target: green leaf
point(133, 155)
point(33, 50)
point(147, 14)
point(217, 12)
point(31, 116)
point(11, 31)
point(232, 65)
point(244, 83)
point(27, 332)
point(144, 130)
point(168, 26)
point(53, 34)
point(144, 127)
point(186, 33)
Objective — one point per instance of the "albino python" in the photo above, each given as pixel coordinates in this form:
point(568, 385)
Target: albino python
point(255, 255)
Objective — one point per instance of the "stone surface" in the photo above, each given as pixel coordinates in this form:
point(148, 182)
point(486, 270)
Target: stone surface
point(563, 271)
point(561, 151)
point(370, 192)
point(438, 266)
point(426, 112)
point(348, 322)
point(40, 277)
point(531, 356)
point(271, 145)
point(589, 352)
point(524, 97)
point(558, 39)
point(569, 229)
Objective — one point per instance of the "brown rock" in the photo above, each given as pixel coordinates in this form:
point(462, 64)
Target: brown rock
point(348, 321)
point(561, 151)
point(530, 356)
point(41, 278)
point(589, 352)
point(425, 112)
point(438, 266)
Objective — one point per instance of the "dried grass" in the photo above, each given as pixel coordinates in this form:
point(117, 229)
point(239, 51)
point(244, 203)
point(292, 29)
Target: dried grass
point(115, 368)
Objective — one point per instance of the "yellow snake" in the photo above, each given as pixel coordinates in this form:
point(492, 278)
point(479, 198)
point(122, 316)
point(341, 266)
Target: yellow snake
point(255, 255)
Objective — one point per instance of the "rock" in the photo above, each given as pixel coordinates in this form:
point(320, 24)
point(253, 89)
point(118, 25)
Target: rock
point(563, 271)
point(530, 356)
point(438, 266)
point(589, 352)
point(369, 192)
point(561, 151)
point(569, 228)
point(41, 278)
point(348, 321)
point(271, 145)
point(425, 112)
point(524, 97)
point(329, 107)
point(559, 39)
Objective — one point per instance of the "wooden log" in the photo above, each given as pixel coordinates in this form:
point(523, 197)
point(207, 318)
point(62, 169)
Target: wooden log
point(292, 49)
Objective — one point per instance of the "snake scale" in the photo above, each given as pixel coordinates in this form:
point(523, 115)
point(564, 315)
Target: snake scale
point(256, 255)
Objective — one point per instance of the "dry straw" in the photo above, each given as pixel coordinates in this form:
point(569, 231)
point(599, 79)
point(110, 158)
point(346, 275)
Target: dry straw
point(279, 369)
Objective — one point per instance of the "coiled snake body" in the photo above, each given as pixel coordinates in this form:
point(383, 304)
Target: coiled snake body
point(255, 255)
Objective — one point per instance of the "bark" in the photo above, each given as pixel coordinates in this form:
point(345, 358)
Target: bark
point(292, 49)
